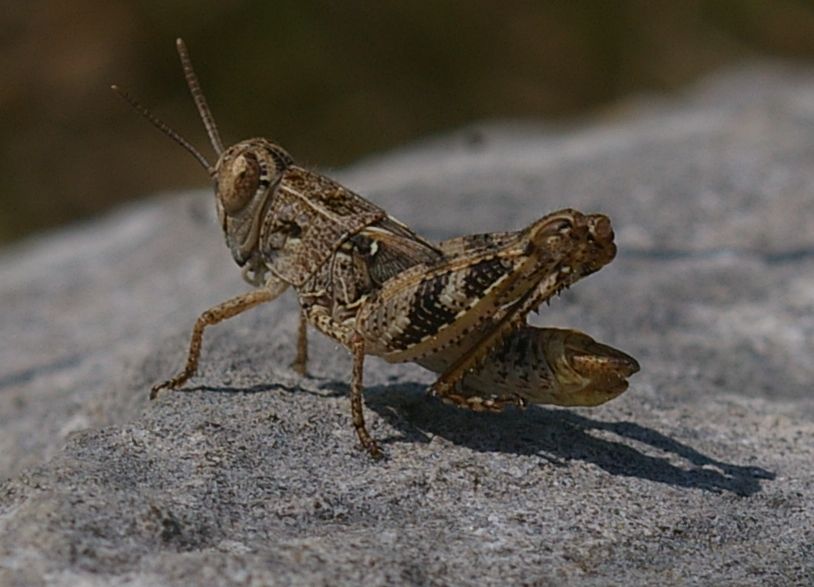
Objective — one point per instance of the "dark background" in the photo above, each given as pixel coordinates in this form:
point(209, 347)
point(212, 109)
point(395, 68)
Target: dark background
point(331, 81)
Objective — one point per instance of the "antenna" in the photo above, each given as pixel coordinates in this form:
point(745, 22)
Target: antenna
point(197, 95)
point(163, 127)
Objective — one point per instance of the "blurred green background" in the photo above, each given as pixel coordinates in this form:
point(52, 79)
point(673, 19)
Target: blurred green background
point(330, 81)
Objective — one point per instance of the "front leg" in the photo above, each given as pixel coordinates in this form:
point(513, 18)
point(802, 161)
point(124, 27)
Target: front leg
point(357, 345)
point(219, 313)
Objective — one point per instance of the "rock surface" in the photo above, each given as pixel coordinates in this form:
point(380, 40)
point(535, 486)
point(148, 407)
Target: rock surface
point(701, 473)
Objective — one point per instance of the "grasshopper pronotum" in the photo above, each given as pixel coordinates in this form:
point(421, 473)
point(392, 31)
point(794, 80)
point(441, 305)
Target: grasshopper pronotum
point(363, 278)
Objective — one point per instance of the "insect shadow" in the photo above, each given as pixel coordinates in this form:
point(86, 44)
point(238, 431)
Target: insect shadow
point(555, 434)
point(561, 435)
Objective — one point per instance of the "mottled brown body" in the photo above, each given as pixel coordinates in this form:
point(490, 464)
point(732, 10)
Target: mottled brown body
point(363, 278)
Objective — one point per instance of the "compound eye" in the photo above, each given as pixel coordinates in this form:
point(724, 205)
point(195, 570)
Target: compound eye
point(239, 183)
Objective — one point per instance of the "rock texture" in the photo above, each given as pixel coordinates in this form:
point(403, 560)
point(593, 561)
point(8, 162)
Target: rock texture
point(700, 474)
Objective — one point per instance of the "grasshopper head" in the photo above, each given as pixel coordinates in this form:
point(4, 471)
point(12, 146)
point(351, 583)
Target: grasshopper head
point(245, 176)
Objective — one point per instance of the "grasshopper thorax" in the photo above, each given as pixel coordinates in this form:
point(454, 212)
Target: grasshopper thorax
point(245, 177)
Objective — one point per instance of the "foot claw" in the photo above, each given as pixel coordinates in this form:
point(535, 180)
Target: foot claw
point(169, 384)
point(374, 450)
point(299, 368)
point(156, 389)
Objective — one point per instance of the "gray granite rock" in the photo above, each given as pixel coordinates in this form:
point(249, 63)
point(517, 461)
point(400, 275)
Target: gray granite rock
point(700, 474)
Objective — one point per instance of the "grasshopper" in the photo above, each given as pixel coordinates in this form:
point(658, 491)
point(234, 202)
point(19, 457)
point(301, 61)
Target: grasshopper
point(368, 281)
